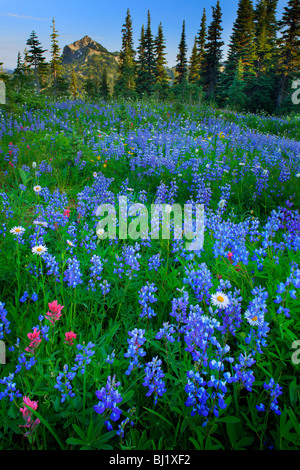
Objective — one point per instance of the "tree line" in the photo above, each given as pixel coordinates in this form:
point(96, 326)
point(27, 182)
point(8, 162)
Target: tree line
point(258, 73)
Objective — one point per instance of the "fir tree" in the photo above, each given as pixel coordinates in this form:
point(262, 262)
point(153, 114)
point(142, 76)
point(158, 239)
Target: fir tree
point(181, 66)
point(149, 56)
point(74, 88)
point(194, 64)
point(104, 87)
point(289, 50)
point(18, 75)
point(242, 40)
point(126, 83)
point(161, 76)
point(213, 54)
point(55, 63)
point(36, 59)
point(202, 35)
point(236, 95)
point(91, 88)
point(141, 85)
point(265, 35)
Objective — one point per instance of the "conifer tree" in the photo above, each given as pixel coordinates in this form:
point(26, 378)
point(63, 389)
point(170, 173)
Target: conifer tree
point(202, 35)
point(141, 84)
point(126, 83)
point(181, 66)
point(91, 88)
point(213, 54)
point(36, 59)
point(74, 89)
point(265, 35)
point(26, 64)
point(194, 64)
point(161, 76)
point(55, 63)
point(289, 50)
point(18, 75)
point(236, 95)
point(104, 86)
point(242, 41)
point(149, 56)
point(20, 66)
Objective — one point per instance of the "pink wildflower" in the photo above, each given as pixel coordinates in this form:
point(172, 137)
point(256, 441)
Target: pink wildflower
point(34, 340)
point(69, 337)
point(67, 213)
point(55, 312)
point(27, 415)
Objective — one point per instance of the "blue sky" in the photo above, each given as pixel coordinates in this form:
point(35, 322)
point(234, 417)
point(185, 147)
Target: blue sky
point(103, 20)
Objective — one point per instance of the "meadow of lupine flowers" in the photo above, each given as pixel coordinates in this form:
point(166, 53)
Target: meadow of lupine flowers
point(142, 344)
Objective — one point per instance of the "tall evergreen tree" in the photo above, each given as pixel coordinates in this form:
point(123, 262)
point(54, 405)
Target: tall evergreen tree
point(202, 35)
point(55, 63)
point(181, 66)
point(36, 59)
point(149, 56)
point(236, 94)
point(104, 86)
point(74, 88)
point(265, 35)
point(126, 83)
point(141, 85)
point(26, 64)
point(18, 75)
point(194, 64)
point(242, 40)
point(161, 76)
point(91, 88)
point(289, 49)
point(20, 66)
point(213, 54)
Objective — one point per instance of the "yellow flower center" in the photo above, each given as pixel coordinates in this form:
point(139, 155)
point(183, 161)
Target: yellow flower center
point(220, 298)
point(254, 318)
point(17, 230)
point(39, 249)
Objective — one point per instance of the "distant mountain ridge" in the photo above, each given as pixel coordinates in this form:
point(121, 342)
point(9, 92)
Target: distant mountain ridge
point(90, 59)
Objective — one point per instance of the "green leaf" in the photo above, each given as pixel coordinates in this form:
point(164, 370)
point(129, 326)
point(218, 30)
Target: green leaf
point(75, 442)
point(80, 432)
point(127, 397)
point(160, 416)
point(40, 417)
point(229, 419)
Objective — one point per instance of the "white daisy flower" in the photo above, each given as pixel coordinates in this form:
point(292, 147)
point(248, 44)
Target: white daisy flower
point(70, 243)
point(37, 189)
point(99, 232)
point(95, 174)
point(40, 222)
point(39, 250)
point(17, 230)
point(33, 164)
point(220, 300)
